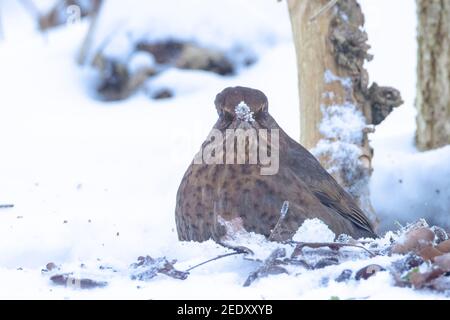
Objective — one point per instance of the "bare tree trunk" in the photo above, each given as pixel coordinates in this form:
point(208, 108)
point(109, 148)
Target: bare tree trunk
point(337, 108)
point(433, 85)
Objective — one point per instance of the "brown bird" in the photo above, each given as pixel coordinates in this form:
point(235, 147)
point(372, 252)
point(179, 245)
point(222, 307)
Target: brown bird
point(211, 191)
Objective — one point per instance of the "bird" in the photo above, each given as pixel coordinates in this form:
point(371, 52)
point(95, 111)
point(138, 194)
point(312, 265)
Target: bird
point(211, 193)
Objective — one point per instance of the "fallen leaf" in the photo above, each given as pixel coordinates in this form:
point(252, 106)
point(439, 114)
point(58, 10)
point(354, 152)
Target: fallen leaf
point(414, 240)
point(444, 246)
point(368, 271)
point(68, 280)
point(429, 253)
point(443, 262)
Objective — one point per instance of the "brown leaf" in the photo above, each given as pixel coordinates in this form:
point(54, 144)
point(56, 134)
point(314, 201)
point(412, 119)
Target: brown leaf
point(68, 280)
point(368, 271)
point(443, 262)
point(420, 280)
point(444, 246)
point(429, 253)
point(414, 240)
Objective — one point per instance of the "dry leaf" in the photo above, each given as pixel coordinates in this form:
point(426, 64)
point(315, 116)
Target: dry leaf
point(443, 262)
point(369, 271)
point(68, 280)
point(420, 280)
point(414, 240)
point(444, 246)
point(429, 253)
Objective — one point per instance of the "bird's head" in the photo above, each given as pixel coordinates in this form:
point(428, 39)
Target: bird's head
point(240, 105)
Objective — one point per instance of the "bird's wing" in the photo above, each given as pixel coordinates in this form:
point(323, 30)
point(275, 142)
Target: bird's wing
point(324, 186)
point(345, 207)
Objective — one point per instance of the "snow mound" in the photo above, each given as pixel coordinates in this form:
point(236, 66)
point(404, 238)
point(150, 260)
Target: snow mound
point(314, 230)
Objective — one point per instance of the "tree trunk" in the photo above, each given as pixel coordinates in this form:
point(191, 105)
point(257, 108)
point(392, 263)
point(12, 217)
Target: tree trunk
point(433, 85)
point(337, 108)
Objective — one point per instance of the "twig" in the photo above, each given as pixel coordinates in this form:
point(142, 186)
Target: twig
point(240, 249)
point(99, 60)
point(283, 213)
point(269, 266)
point(324, 9)
point(331, 245)
point(87, 43)
point(216, 258)
point(398, 224)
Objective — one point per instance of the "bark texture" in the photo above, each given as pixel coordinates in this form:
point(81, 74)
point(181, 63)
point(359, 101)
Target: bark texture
point(433, 86)
point(337, 107)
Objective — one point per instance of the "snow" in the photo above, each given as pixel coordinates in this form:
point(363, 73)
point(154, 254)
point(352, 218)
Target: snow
point(416, 179)
point(94, 184)
point(314, 230)
point(243, 112)
point(342, 122)
point(235, 23)
point(140, 61)
point(341, 128)
point(330, 77)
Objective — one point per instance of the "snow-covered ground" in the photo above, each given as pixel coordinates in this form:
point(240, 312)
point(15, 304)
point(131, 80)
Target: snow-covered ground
point(95, 183)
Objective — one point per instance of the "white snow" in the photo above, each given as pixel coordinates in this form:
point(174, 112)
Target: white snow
point(314, 230)
point(417, 181)
point(243, 112)
point(342, 122)
point(229, 26)
point(341, 128)
point(330, 77)
point(140, 60)
point(95, 183)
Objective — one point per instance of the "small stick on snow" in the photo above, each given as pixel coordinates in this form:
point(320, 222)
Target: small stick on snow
point(216, 258)
point(237, 250)
point(269, 266)
point(283, 212)
point(324, 9)
point(89, 38)
point(331, 245)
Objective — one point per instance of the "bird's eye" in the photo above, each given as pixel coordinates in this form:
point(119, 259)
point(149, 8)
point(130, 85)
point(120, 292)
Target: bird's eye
point(228, 116)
